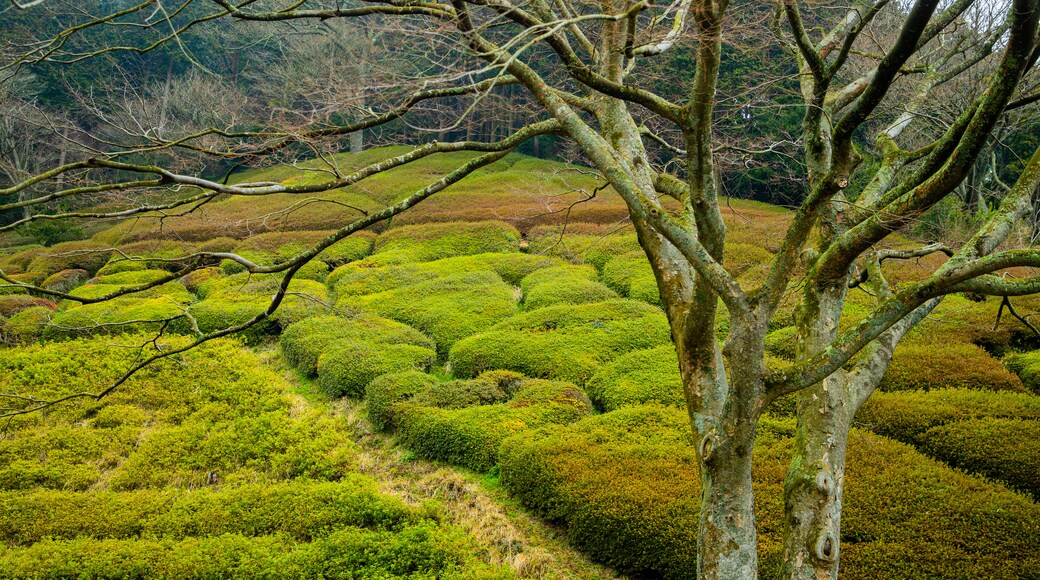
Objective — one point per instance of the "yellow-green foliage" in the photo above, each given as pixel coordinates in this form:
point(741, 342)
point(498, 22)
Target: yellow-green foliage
point(631, 276)
point(624, 485)
point(421, 551)
point(950, 365)
point(84, 255)
point(638, 378)
point(999, 448)
point(446, 309)
point(149, 254)
point(304, 341)
point(591, 245)
point(386, 390)
point(278, 247)
point(906, 415)
point(1027, 367)
point(562, 342)
point(781, 343)
point(563, 285)
point(236, 299)
point(65, 280)
point(471, 436)
point(345, 369)
point(428, 242)
point(199, 467)
point(25, 326)
point(12, 304)
point(366, 278)
point(15, 260)
point(137, 312)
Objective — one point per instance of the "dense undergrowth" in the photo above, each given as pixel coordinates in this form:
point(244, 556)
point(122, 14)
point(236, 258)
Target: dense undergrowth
point(550, 370)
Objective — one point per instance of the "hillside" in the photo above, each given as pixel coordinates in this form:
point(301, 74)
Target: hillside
point(474, 390)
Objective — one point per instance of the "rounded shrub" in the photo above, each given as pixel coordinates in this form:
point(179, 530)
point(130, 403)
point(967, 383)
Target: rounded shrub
point(781, 342)
point(949, 365)
point(563, 285)
point(234, 300)
point(83, 255)
point(26, 326)
point(566, 342)
point(638, 378)
point(999, 448)
point(65, 280)
point(12, 304)
point(387, 390)
point(346, 369)
point(304, 341)
point(446, 309)
point(906, 415)
point(1027, 366)
point(471, 436)
point(433, 241)
point(631, 276)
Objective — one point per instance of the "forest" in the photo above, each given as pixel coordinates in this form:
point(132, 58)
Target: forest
point(519, 289)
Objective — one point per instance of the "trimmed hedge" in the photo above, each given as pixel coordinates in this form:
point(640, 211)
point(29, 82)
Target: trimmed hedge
point(781, 343)
point(470, 436)
point(433, 241)
point(624, 485)
point(425, 550)
point(631, 276)
point(387, 390)
point(446, 309)
point(638, 378)
point(1000, 448)
point(907, 415)
point(304, 341)
point(346, 369)
point(562, 342)
point(946, 365)
point(1027, 366)
point(563, 285)
point(26, 326)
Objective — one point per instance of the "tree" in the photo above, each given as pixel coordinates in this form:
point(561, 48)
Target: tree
point(866, 73)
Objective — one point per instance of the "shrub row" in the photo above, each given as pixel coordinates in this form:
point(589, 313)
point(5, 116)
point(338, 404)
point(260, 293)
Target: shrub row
point(946, 366)
point(624, 485)
point(565, 342)
point(1027, 367)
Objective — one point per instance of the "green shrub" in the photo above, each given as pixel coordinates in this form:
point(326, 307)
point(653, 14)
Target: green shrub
point(237, 299)
point(584, 248)
point(1000, 448)
point(624, 485)
point(781, 343)
point(1027, 366)
point(446, 309)
point(487, 389)
point(194, 281)
point(65, 280)
point(386, 390)
point(563, 285)
point(949, 365)
point(304, 341)
point(302, 510)
point(433, 241)
point(26, 326)
point(345, 369)
point(562, 342)
point(139, 312)
point(638, 378)
point(907, 415)
point(470, 437)
point(631, 276)
point(84, 255)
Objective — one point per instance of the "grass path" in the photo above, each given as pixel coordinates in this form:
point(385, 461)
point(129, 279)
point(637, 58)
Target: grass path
point(474, 503)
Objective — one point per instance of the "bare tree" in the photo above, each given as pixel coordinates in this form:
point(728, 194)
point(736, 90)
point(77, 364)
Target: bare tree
point(866, 72)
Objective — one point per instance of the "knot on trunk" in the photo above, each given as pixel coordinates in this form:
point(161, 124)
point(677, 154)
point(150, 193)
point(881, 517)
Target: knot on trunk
point(826, 547)
point(824, 482)
point(707, 446)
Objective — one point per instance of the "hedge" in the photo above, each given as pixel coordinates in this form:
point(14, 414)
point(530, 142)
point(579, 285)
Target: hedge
point(562, 342)
point(470, 437)
point(1003, 449)
point(423, 551)
point(12, 304)
point(638, 378)
point(631, 276)
point(433, 241)
point(946, 365)
point(563, 285)
point(345, 369)
point(25, 326)
point(1027, 366)
point(303, 342)
point(624, 485)
point(446, 309)
point(907, 415)
point(302, 510)
point(138, 312)
point(594, 249)
point(387, 390)
point(65, 280)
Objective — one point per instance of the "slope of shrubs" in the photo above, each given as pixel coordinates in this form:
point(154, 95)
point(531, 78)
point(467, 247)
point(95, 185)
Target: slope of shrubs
point(564, 342)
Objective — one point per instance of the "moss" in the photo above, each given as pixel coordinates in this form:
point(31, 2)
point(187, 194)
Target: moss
point(470, 436)
point(638, 378)
point(949, 365)
point(563, 285)
point(345, 369)
point(304, 341)
point(562, 342)
point(446, 309)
